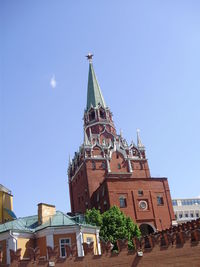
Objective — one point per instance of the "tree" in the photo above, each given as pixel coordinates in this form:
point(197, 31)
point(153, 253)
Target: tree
point(113, 225)
point(93, 217)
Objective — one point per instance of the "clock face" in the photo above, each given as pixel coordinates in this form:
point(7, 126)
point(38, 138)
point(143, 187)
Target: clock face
point(143, 205)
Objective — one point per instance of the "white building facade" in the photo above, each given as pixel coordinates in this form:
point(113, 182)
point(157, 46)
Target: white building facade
point(186, 209)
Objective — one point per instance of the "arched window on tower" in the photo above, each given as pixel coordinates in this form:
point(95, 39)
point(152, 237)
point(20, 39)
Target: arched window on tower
point(103, 165)
point(141, 166)
point(102, 114)
point(92, 115)
point(93, 165)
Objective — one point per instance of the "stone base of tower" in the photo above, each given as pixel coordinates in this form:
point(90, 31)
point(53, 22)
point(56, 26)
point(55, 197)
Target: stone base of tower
point(146, 201)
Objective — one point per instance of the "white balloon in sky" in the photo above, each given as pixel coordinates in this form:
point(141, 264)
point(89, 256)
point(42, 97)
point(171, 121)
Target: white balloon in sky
point(53, 82)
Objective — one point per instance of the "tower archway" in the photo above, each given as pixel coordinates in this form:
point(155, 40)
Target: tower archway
point(146, 229)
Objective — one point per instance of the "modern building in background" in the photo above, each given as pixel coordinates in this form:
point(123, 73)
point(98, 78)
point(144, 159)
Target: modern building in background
point(6, 205)
point(186, 209)
point(107, 171)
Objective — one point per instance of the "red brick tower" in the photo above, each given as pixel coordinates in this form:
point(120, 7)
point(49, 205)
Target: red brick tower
point(106, 171)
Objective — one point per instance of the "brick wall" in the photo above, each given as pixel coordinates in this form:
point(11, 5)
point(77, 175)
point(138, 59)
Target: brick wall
point(177, 246)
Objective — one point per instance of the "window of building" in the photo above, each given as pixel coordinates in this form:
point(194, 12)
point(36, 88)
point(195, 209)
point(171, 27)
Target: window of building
point(189, 202)
point(132, 164)
point(92, 115)
point(102, 114)
point(197, 215)
point(103, 191)
point(119, 166)
point(160, 201)
point(89, 240)
point(191, 215)
point(141, 166)
point(93, 165)
point(174, 202)
point(186, 215)
point(140, 193)
point(63, 242)
point(180, 216)
point(122, 202)
point(103, 165)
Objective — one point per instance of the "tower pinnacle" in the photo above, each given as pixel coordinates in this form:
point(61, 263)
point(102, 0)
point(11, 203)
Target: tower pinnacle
point(139, 142)
point(94, 95)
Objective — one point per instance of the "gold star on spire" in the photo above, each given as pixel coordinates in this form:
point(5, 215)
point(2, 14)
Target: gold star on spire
point(89, 57)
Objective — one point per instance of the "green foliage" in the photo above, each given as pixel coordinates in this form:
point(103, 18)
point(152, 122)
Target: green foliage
point(93, 217)
point(113, 225)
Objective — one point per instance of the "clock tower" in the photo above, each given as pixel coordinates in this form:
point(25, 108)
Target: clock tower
point(108, 171)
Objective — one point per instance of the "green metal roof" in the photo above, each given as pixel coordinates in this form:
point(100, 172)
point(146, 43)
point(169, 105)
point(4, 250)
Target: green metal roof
point(30, 224)
point(94, 95)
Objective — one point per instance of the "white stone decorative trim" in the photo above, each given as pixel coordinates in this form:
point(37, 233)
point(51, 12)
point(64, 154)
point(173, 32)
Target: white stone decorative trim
point(50, 241)
point(4, 236)
point(129, 166)
point(11, 243)
point(77, 171)
point(87, 230)
point(79, 242)
point(23, 235)
point(57, 231)
point(98, 242)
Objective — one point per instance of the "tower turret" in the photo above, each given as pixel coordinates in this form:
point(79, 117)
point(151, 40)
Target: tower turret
point(97, 116)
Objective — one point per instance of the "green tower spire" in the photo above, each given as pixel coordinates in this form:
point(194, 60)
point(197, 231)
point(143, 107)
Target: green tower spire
point(94, 95)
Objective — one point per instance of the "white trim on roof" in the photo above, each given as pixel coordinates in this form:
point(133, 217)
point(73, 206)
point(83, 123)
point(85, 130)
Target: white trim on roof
point(4, 189)
point(57, 230)
point(88, 230)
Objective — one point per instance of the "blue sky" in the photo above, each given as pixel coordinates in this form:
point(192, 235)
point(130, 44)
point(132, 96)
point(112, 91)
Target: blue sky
point(147, 60)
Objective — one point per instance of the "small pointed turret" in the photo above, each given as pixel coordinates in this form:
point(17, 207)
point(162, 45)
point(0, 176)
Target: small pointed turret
point(69, 161)
point(94, 95)
point(139, 142)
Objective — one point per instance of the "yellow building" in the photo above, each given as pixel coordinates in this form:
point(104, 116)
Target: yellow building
point(48, 228)
point(6, 205)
